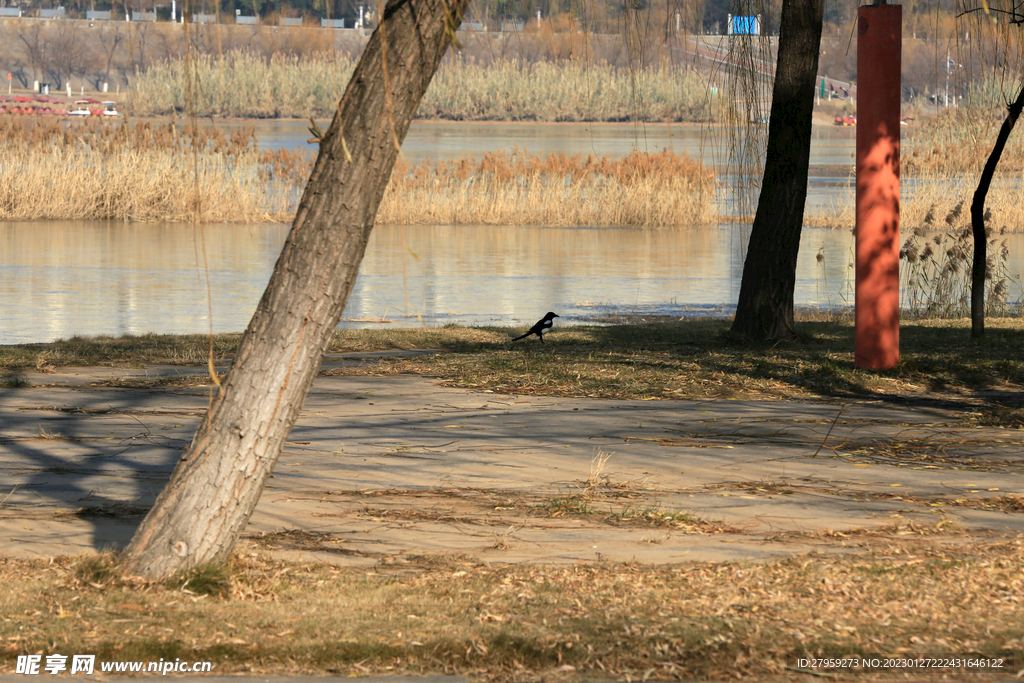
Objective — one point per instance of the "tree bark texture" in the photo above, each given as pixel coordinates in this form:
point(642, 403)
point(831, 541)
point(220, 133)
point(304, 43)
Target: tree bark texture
point(215, 487)
point(765, 306)
point(980, 266)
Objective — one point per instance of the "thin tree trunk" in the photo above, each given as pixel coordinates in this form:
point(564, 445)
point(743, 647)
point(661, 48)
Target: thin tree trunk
point(765, 306)
point(978, 273)
point(212, 492)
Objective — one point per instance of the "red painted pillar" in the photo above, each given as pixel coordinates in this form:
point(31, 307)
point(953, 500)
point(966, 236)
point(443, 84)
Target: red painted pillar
point(877, 336)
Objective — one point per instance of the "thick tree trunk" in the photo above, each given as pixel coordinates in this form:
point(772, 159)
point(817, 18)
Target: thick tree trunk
point(765, 306)
point(978, 273)
point(212, 492)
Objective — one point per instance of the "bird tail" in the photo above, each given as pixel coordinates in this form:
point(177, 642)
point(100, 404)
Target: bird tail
point(522, 336)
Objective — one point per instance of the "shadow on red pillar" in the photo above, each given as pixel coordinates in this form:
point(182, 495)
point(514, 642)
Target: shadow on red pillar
point(877, 336)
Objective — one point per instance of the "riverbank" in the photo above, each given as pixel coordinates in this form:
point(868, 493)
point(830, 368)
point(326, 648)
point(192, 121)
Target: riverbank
point(693, 359)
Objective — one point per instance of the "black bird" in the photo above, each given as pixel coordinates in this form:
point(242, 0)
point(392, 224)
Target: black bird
point(542, 326)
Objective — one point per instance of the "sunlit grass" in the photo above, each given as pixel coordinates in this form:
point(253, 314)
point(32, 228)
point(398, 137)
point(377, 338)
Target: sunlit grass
point(940, 163)
point(145, 172)
point(516, 188)
point(456, 616)
point(142, 172)
point(695, 358)
point(243, 84)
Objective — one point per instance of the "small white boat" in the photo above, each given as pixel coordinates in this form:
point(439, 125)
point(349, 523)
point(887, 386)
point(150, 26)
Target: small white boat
point(81, 109)
point(110, 109)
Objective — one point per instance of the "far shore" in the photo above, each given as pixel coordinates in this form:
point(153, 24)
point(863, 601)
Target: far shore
point(824, 114)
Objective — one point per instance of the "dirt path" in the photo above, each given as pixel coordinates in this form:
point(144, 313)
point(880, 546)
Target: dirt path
point(379, 469)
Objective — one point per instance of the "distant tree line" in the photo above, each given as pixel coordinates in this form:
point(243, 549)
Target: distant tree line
point(641, 34)
point(599, 16)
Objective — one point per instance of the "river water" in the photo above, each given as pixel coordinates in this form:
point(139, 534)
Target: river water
point(64, 278)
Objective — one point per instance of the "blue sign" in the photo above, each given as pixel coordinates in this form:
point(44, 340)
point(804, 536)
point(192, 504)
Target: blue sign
point(745, 26)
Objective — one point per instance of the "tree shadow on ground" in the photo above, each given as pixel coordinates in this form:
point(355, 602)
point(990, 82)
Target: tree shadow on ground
point(65, 464)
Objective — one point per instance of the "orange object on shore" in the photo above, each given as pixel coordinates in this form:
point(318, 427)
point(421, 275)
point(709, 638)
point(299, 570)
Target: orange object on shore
point(877, 333)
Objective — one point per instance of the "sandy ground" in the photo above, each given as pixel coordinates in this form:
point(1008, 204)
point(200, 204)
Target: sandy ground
point(382, 468)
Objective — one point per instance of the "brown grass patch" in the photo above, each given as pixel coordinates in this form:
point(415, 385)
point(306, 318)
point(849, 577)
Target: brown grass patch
point(458, 617)
point(693, 358)
point(699, 358)
point(610, 505)
point(944, 528)
point(641, 190)
point(147, 172)
point(142, 172)
point(562, 87)
point(1010, 503)
point(940, 163)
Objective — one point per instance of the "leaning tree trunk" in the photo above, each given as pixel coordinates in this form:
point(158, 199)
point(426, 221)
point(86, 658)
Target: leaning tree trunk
point(978, 273)
point(765, 306)
point(212, 492)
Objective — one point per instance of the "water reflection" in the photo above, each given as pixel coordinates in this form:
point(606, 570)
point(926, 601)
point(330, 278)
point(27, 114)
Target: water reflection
point(830, 145)
point(65, 278)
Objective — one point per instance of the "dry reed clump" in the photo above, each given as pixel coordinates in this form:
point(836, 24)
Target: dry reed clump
point(944, 160)
point(142, 172)
point(97, 170)
point(936, 277)
point(565, 90)
point(244, 84)
point(940, 165)
point(640, 190)
point(938, 256)
point(958, 143)
point(921, 195)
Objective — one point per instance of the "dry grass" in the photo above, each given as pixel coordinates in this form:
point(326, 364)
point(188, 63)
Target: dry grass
point(936, 195)
point(640, 190)
point(142, 172)
point(935, 279)
point(243, 84)
point(125, 351)
point(937, 257)
point(453, 615)
point(694, 358)
point(940, 163)
point(958, 142)
point(699, 358)
point(145, 172)
point(565, 90)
